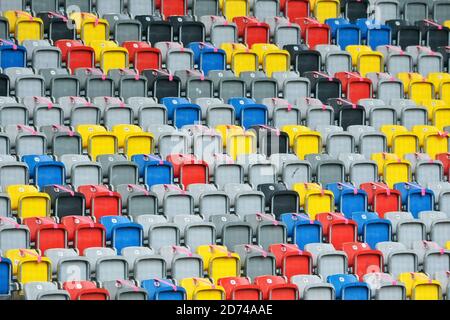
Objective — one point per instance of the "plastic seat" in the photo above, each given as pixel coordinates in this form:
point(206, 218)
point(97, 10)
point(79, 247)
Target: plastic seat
point(101, 201)
point(240, 288)
point(337, 229)
point(349, 288)
point(29, 266)
point(420, 287)
point(362, 259)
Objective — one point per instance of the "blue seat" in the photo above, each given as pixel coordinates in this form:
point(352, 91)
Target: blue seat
point(122, 232)
point(181, 112)
point(5, 277)
point(415, 198)
point(158, 173)
point(307, 231)
point(335, 23)
point(364, 24)
point(208, 57)
point(142, 160)
point(348, 287)
point(371, 228)
point(44, 170)
point(348, 34)
point(348, 199)
point(290, 219)
point(248, 113)
point(12, 56)
point(162, 289)
point(378, 35)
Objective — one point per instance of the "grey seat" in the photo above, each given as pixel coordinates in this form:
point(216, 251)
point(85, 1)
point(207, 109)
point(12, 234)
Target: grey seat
point(137, 7)
point(286, 34)
point(415, 10)
point(438, 226)
point(118, 170)
point(325, 169)
point(44, 291)
point(244, 200)
point(173, 201)
point(367, 140)
point(405, 228)
point(209, 200)
point(359, 169)
point(202, 8)
point(397, 258)
point(327, 260)
point(81, 171)
point(143, 263)
point(295, 171)
point(105, 7)
point(223, 33)
point(266, 230)
point(183, 263)
point(386, 10)
point(137, 200)
point(65, 261)
point(127, 30)
point(312, 287)
point(385, 287)
point(255, 261)
point(12, 173)
point(13, 235)
point(225, 173)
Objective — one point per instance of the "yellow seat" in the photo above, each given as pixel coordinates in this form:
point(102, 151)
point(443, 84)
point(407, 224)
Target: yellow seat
point(447, 245)
point(86, 130)
point(404, 143)
point(99, 46)
point(218, 262)
point(28, 201)
point(421, 91)
point(234, 8)
point(370, 62)
point(307, 143)
point(202, 289)
point(262, 48)
point(436, 78)
point(93, 29)
point(318, 201)
point(326, 9)
point(16, 191)
point(12, 16)
point(292, 131)
point(79, 17)
point(436, 143)
point(441, 117)
point(30, 266)
point(244, 60)
point(122, 131)
point(138, 143)
point(420, 287)
point(114, 58)
point(276, 60)
point(431, 105)
point(355, 50)
point(396, 171)
point(422, 130)
point(230, 47)
point(391, 130)
point(407, 78)
point(303, 188)
point(241, 144)
point(447, 23)
point(381, 158)
point(226, 130)
point(29, 29)
point(312, 3)
point(102, 143)
point(444, 91)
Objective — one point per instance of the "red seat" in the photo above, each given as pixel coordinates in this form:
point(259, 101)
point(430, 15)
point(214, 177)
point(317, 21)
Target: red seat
point(147, 58)
point(355, 87)
point(101, 201)
point(173, 8)
point(240, 288)
point(445, 159)
point(362, 259)
point(76, 55)
point(133, 46)
point(47, 233)
point(188, 169)
point(291, 260)
point(337, 229)
point(66, 45)
point(85, 290)
point(276, 288)
point(313, 32)
point(381, 198)
point(84, 233)
point(252, 30)
point(294, 9)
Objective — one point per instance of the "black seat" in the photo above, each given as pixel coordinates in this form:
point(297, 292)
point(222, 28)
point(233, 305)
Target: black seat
point(324, 86)
point(65, 201)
